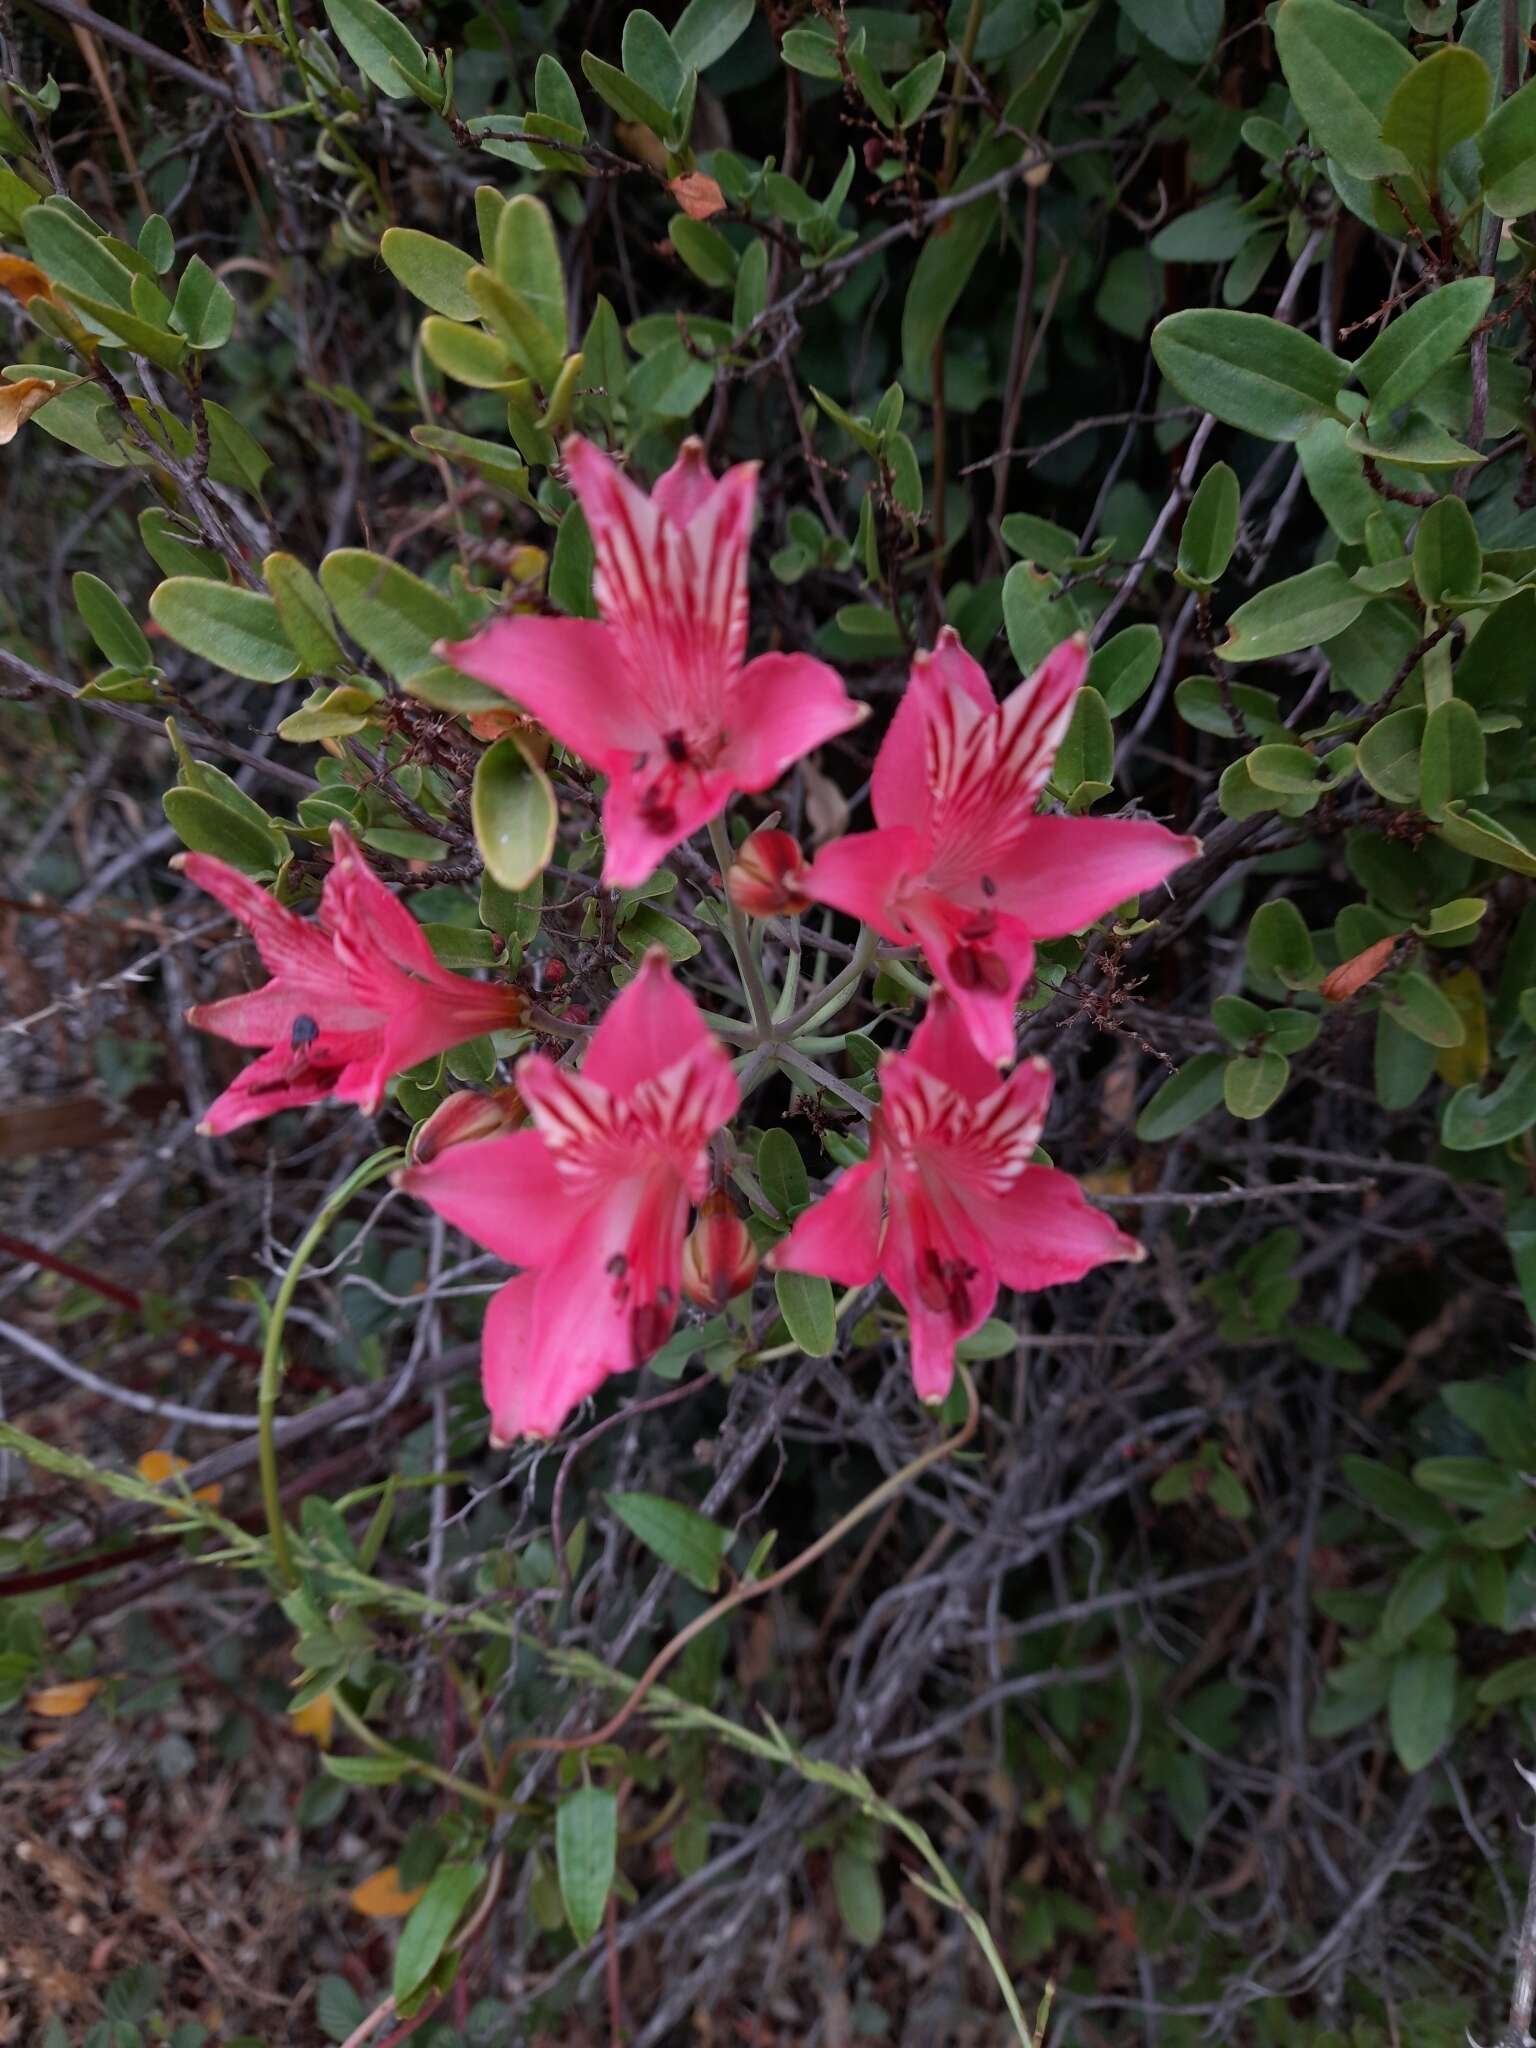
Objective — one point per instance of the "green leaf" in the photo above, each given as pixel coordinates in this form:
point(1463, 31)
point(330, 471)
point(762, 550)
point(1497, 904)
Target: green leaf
point(805, 1302)
point(1249, 370)
point(914, 93)
point(237, 630)
point(1287, 769)
point(71, 255)
point(171, 554)
point(1087, 750)
point(144, 337)
point(1210, 527)
point(586, 1848)
point(468, 354)
point(1396, 1497)
point(1280, 946)
point(707, 253)
point(1452, 757)
point(781, 1173)
point(207, 825)
point(1416, 1003)
point(1300, 611)
point(706, 29)
point(303, 613)
point(1507, 146)
point(1253, 1083)
point(515, 814)
point(1193, 1092)
point(512, 320)
point(1036, 614)
point(994, 1339)
point(110, 624)
point(650, 60)
point(430, 1923)
point(391, 614)
point(751, 295)
point(1469, 1482)
point(379, 44)
point(1342, 69)
point(1410, 349)
point(1185, 30)
point(1515, 1681)
point(646, 927)
point(205, 309)
point(431, 270)
point(1123, 667)
point(1437, 105)
point(1471, 1121)
point(1200, 702)
point(527, 259)
point(571, 566)
point(157, 244)
point(860, 1899)
point(1211, 233)
point(628, 100)
point(1420, 1591)
point(1403, 1063)
point(338, 2009)
point(1421, 1704)
point(944, 266)
point(1388, 755)
point(1483, 837)
point(1447, 556)
point(681, 1537)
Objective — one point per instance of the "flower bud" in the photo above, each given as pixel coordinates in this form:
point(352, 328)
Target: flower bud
point(767, 877)
point(719, 1257)
point(463, 1117)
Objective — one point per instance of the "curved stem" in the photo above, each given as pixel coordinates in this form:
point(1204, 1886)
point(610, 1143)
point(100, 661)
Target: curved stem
point(828, 1001)
point(460, 1787)
point(754, 1589)
point(372, 1169)
point(741, 938)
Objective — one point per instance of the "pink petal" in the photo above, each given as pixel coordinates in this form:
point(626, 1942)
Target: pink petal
point(268, 1085)
point(901, 791)
point(529, 1388)
point(425, 1020)
point(780, 707)
point(942, 1043)
point(505, 1193)
point(1064, 872)
point(675, 597)
point(1035, 715)
point(607, 1300)
point(651, 1025)
point(687, 486)
point(863, 875)
point(373, 932)
point(938, 1265)
point(982, 960)
point(267, 1015)
point(839, 1236)
point(289, 946)
point(647, 811)
point(1045, 1231)
point(567, 673)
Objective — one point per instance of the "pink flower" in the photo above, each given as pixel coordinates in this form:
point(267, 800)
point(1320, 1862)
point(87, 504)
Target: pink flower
point(962, 864)
point(656, 696)
point(593, 1202)
point(948, 1205)
point(355, 994)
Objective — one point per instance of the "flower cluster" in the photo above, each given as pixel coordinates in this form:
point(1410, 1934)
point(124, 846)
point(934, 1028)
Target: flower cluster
point(584, 1181)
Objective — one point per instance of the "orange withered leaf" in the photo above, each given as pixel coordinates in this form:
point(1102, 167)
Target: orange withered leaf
point(697, 195)
point(1350, 976)
point(23, 280)
point(19, 401)
point(61, 1702)
point(382, 1897)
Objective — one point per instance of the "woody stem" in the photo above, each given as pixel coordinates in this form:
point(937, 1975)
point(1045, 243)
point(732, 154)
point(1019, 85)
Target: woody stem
point(741, 940)
point(372, 1169)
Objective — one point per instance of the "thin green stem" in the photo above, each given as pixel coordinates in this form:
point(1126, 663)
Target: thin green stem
point(828, 1001)
point(741, 938)
point(477, 1795)
point(372, 1169)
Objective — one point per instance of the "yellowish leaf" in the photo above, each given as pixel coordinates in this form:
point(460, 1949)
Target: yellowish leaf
point(19, 401)
point(61, 1702)
point(158, 1466)
point(317, 1719)
point(1461, 1066)
point(381, 1896)
point(23, 280)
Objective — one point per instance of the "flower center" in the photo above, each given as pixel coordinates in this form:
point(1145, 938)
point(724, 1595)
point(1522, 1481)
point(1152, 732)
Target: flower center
point(944, 1284)
point(682, 757)
point(972, 962)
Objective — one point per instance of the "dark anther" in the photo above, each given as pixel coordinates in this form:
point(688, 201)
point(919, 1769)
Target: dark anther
point(305, 1032)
